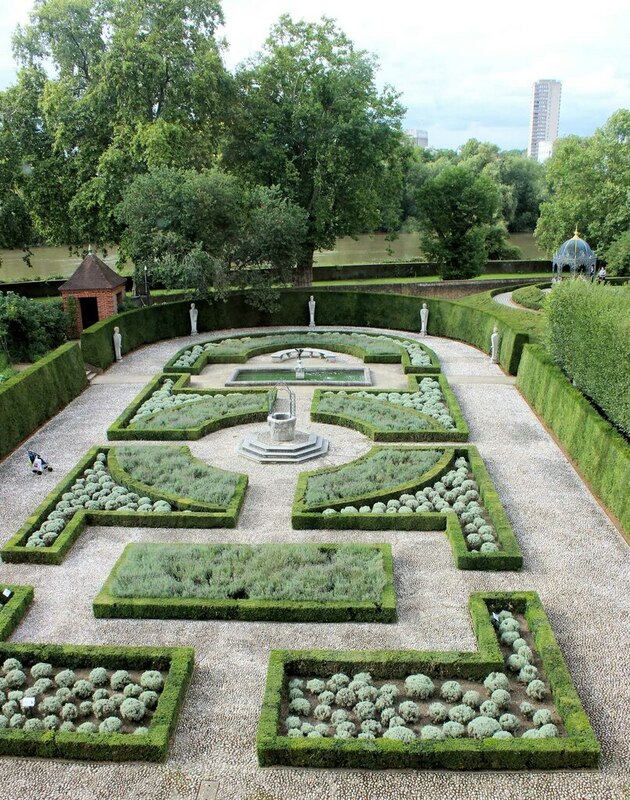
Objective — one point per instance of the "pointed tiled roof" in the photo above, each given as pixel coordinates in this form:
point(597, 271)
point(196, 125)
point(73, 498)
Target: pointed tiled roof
point(92, 273)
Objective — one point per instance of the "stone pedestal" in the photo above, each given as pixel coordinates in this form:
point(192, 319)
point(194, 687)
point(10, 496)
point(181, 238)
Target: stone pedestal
point(281, 426)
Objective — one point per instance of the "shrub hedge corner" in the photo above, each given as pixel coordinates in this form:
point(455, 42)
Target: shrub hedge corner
point(12, 612)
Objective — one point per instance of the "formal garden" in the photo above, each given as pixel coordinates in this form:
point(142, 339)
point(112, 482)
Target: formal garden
point(430, 593)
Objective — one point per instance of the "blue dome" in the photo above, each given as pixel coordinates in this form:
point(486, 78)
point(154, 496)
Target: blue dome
point(575, 252)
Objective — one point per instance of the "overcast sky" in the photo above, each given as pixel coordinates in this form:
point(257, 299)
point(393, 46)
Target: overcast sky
point(464, 69)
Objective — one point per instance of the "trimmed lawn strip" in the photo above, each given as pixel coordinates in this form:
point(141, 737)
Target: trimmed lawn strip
point(458, 434)
point(107, 605)
point(509, 557)
point(12, 613)
point(262, 343)
point(16, 551)
point(152, 746)
point(579, 749)
point(121, 430)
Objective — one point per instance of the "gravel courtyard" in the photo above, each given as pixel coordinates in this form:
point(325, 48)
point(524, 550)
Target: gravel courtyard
point(573, 557)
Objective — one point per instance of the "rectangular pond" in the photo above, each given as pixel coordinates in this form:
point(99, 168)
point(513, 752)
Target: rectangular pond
point(313, 376)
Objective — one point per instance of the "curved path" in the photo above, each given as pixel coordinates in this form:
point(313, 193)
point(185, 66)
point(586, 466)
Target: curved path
point(574, 558)
point(505, 299)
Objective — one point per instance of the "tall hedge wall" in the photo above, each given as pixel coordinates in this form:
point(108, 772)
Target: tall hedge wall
point(602, 455)
point(363, 309)
point(37, 393)
point(588, 337)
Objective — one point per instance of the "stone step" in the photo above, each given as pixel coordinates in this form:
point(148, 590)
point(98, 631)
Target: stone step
point(288, 453)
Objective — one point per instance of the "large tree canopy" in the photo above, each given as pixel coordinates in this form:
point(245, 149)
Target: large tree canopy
point(456, 208)
point(134, 84)
point(309, 119)
point(207, 230)
point(588, 182)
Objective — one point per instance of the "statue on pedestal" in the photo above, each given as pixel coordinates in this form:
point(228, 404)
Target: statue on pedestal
point(424, 319)
point(194, 313)
point(495, 340)
point(311, 312)
point(117, 344)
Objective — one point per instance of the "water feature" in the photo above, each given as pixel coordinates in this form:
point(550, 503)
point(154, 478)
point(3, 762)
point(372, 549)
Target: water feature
point(328, 376)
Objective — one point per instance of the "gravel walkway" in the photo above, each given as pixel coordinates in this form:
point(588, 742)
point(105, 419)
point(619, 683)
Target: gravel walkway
point(505, 299)
point(574, 558)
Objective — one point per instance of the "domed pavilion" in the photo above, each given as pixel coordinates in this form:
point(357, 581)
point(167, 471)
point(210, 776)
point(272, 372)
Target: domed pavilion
point(577, 255)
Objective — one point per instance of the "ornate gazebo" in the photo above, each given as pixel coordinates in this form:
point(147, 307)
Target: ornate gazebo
point(576, 254)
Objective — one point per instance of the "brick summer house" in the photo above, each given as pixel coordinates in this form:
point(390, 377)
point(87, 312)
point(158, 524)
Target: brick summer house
point(98, 292)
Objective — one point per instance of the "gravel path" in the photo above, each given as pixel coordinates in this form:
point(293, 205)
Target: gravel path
point(505, 299)
point(574, 558)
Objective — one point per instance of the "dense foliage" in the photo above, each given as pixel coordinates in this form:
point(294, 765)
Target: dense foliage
point(588, 336)
point(529, 296)
point(262, 572)
point(28, 329)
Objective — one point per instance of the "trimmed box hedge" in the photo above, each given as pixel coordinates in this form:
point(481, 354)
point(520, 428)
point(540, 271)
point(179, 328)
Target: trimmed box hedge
point(470, 320)
point(190, 513)
point(12, 612)
point(120, 429)
point(600, 453)
point(458, 434)
point(109, 606)
point(260, 343)
point(509, 557)
point(37, 393)
point(152, 746)
point(579, 749)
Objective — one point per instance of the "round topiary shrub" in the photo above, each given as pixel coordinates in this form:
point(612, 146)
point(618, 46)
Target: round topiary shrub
point(65, 679)
point(548, 731)
point(41, 670)
point(409, 711)
point(292, 723)
point(419, 686)
point(83, 689)
point(525, 652)
point(451, 691)
point(116, 700)
point(509, 722)
point(496, 680)
point(142, 731)
point(388, 714)
point(367, 692)
point(149, 698)
point(17, 721)
point(483, 727)
point(322, 712)
point(389, 690)
point(508, 637)
point(49, 705)
point(67, 726)
point(364, 710)
point(536, 690)
point(400, 734)
point(515, 662)
point(339, 716)
point(15, 678)
point(501, 698)
point(132, 690)
point(98, 676)
point(502, 735)
point(326, 698)
point(133, 710)
point(69, 711)
point(532, 733)
point(293, 693)
point(471, 698)
point(337, 681)
point(526, 708)
point(103, 708)
point(87, 727)
point(542, 717)
point(371, 726)
point(518, 643)
point(40, 686)
point(316, 686)
point(346, 728)
point(438, 712)
point(461, 713)
point(300, 706)
point(4, 722)
point(431, 732)
point(85, 708)
point(509, 624)
point(64, 694)
point(100, 694)
point(345, 697)
point(50, 722)
point(33, 724)
point(10, 708)
point(10, 664)
point(121, 678)
point(110, 725)
point(489, 709)
point(528, 674)
point(453, 730)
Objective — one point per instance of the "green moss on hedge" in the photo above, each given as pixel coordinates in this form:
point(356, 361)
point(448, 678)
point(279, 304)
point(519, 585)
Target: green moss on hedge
point(11, 613)
point(109, 606)
point(579, 749)
point(37, 393)
point(601, 454)
point(16, 551)
point(153, 746)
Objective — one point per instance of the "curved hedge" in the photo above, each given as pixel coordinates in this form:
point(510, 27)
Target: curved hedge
point(37, 393)
point(602, 455)
point(470, 320)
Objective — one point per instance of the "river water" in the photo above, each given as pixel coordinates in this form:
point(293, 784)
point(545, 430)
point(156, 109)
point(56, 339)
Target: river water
point(366, 249)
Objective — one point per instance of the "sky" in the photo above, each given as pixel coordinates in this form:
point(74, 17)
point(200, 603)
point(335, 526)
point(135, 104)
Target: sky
point(464, 69)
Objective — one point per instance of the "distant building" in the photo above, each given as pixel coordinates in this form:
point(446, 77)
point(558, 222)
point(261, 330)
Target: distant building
point(418, 138)
point(545, 119)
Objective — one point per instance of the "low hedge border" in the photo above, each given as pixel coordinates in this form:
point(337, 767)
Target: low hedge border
point(301, 339)
point(579, 749)
point(37, 393)
point(601, 454)
point(12, 612)
point(15, 549)
point(120, 430)
point(152, 746)
point(459, 434)
point(110, 607)
point(509, 557)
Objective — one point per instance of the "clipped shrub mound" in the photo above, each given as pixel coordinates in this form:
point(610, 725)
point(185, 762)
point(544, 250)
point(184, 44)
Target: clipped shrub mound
point(285, 582)
point(530, 296)
point(516, 691)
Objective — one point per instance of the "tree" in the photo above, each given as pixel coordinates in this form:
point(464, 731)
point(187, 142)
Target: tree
point(587, 185)
point(210, 230)
point(618, 256)
point(309, 119)
point(455, 209)
point(137, 84)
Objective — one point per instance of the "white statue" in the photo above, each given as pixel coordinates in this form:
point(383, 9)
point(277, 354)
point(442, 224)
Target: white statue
point(117, 344)
point(494, 345)
point(424, 319)
point(311, 312)
point(194, 313)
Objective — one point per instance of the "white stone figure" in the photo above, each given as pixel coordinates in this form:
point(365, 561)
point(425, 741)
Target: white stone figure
point(117, 344)
point(424, 319)
point(311, 312)
point(495, 340)
point(194, 313)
